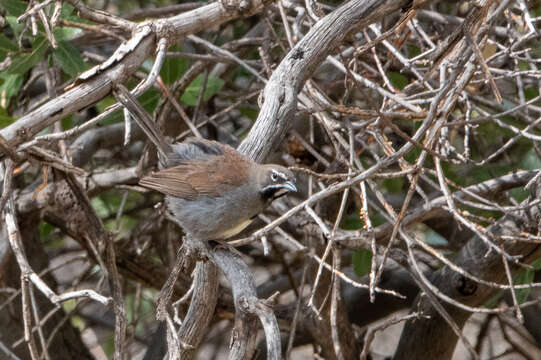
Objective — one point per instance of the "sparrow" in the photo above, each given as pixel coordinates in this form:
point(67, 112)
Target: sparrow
point(213, 191)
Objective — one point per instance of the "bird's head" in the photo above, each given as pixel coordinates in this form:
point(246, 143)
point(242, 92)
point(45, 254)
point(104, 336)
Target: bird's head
point(275, 181)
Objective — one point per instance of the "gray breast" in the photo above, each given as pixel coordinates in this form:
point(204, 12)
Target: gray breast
point(213, 218)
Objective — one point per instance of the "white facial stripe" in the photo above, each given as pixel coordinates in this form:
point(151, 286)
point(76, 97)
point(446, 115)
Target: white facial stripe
point(280, 192)
point(279, 174)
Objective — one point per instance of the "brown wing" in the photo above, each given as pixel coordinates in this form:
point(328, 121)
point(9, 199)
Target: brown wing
point(203, 176)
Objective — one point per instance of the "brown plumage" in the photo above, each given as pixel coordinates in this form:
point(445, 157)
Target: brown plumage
point(213, 190)
point(201, 175)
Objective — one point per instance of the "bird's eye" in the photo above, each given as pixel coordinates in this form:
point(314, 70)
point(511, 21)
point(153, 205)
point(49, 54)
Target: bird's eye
point(274, 176)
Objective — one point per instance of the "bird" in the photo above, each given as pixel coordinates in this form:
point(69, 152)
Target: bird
point(213, 191)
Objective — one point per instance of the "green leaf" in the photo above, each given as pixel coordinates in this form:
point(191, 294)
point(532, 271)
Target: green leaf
point(67, 10)
point(109, 346)
point(173, 68)
point(249, 112)
point(9, 88)
point(100, 206)
point(536, 264)
point(13, 7)
point(149, 101)
point(25, 61)
point(523, 65)
point(214, 84)
point(397, 79)
point(6, 46)
point(531, 93)
point(115, 117)
point(65, 32)
point(394, 185)
point(377, 219)
point(531, 161)
point(15, 26)
point(362, 261)
point(114, 199)
point(126, 224)
point(519, 194)
point(524, 277)
point(78, 322)
point(69, 305)
point(413, 51)
point(69, 58)
point(67, 122)
point(352, 223)
point(413, 154)
point(45, 229)
point(5, 119)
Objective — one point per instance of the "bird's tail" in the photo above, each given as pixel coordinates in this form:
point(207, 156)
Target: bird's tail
point(144, 121)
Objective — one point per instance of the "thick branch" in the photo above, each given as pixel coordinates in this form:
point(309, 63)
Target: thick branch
point(247, 304)
point(280, 94)
point(433, 338)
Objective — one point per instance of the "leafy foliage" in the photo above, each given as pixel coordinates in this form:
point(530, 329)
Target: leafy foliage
point(213, 85)
point(362, 260)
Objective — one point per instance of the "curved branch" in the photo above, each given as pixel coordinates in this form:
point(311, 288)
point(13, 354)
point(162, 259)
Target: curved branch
point(287, 80)
point(201, 308)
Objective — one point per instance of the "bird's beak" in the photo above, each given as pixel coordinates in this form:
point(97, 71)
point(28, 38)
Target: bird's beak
point(290, 186)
